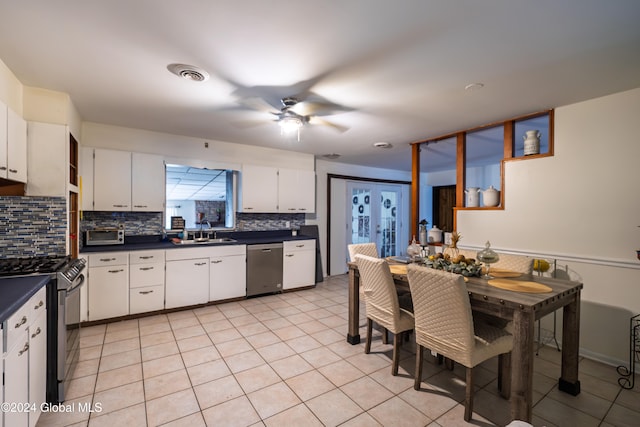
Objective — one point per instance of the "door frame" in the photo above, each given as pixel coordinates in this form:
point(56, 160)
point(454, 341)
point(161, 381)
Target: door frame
point(351, 178)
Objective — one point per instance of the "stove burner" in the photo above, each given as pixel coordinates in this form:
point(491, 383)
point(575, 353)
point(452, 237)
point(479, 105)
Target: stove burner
point(31, 265)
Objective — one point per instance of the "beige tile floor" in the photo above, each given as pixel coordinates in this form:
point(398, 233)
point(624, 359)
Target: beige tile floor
point(282, 360)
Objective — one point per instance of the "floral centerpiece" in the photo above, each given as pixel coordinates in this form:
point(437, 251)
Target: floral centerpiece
point(468, 267)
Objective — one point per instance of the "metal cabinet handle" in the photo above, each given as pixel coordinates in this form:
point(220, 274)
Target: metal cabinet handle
point(107, 259)
point(200, 263)
point(145, 292)
point(146, 257)
point(216, 261)
point(22, 322)
point(3, 168)
point(299, 246)
point(289, 255)
point(13, 170)
point(36, 333)
point(139, 206)
point(146, 268)
point(40, 304)
point(115, 271)
point(25, 348)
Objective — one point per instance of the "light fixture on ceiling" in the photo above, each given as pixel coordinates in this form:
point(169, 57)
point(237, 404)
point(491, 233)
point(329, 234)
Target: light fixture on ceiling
point(474, 86)
point(331, 156)
point(382, 145)
point(188, 72)
point(290, 124)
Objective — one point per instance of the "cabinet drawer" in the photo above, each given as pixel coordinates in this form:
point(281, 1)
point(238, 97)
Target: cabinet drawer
point(149, 298)
point(110, 258)
point(299, 245)
point(145, 257)
point(18, 323)
point(38, 303)
point(220, 251)
point(146, 274)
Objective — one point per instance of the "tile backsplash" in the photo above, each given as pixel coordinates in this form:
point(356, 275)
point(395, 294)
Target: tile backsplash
point(151, 223)
point(135, 223)
point(32, 226)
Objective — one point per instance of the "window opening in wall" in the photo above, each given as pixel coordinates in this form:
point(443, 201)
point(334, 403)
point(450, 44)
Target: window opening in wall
point(194, 193)
point(524, 129)
point(484, 151)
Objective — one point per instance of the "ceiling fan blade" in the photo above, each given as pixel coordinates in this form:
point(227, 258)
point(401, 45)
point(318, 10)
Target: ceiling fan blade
point(323, 122)
point(318, 108)
point(259, 104)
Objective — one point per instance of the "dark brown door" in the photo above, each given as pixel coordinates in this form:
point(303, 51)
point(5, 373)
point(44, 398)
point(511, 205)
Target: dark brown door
point(444, 200)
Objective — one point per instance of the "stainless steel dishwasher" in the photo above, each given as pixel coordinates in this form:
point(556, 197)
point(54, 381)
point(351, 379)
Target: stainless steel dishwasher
point(264, 269)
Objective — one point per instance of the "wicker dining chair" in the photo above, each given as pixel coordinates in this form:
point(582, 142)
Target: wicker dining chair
point(444, 324)
point(368, 249)
point(381, 303)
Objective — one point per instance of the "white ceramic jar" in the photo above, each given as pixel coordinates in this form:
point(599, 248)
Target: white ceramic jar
point(435, 235)
point(531, 142)
point(491, 197)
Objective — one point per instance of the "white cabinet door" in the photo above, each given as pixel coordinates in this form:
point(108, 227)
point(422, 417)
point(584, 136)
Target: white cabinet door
point(112, 180)
point(187, 282)
point(4, 166)
point(37, 365)
point(16, 385)
point(145, 299)
point(108, 291)
point(299, 264)
point(147, 182)
point(16, 147)
point(228, 277)
point(48, 160)
point(296, 191)
point(259, 189)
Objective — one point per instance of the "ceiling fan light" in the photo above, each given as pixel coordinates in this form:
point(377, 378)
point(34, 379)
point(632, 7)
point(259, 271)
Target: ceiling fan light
point(290, 125)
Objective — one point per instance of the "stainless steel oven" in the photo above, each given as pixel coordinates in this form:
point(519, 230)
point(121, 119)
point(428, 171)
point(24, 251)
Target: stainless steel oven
point(69, 283)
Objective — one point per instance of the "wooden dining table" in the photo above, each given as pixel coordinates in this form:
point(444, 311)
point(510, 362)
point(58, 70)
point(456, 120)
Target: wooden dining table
point(521, 308)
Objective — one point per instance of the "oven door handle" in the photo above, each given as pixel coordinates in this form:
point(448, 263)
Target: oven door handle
point(77, 283)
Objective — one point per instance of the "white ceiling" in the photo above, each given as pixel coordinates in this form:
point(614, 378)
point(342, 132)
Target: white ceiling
point(398, 68)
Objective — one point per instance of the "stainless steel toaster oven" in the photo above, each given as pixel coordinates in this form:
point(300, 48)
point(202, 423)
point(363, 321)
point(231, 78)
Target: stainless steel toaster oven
point(104, 236)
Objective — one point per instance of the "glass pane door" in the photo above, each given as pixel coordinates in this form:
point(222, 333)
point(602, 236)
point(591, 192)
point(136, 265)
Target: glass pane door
point(374, 211)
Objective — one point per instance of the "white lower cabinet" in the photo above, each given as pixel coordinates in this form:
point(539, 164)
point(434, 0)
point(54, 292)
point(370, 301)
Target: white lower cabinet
point(25, 363)
point(299, 264)
point(227, 272)
point(108, 285)
point(187, 277)
point(146, 281)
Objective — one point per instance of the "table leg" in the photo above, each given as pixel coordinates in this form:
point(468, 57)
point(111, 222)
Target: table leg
point(522, 365)
point(568, 381)
point(353, 334)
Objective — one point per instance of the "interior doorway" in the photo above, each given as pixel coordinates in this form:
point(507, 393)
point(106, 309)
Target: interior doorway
point(444, 200)
point(375, 211)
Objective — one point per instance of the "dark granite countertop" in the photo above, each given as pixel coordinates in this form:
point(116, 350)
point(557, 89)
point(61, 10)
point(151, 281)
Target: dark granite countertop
point(156, 242)
point(15, 291)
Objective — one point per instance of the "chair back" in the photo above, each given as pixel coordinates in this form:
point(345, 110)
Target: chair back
point(518, 263)
point(442, 311)
point(368, 249)
point(381, 298)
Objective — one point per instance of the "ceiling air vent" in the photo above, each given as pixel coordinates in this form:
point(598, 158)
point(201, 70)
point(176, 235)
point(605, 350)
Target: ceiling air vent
point(188, 72)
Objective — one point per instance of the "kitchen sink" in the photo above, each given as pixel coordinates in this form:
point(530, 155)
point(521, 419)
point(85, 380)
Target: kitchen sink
point(204, 241)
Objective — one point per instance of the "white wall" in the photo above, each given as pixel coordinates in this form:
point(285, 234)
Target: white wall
point(581, 206)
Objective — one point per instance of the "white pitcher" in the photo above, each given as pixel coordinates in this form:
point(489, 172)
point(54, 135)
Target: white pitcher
point(531, 142)
point(473, 197)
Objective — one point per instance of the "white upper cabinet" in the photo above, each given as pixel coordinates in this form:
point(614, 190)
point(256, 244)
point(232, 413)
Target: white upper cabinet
point(259, 189)
point(270, 190)
point(111, 180)
point(115, 180)
point(13, 145)
point(48, 154)
point(147, 182)
point(296, 191)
